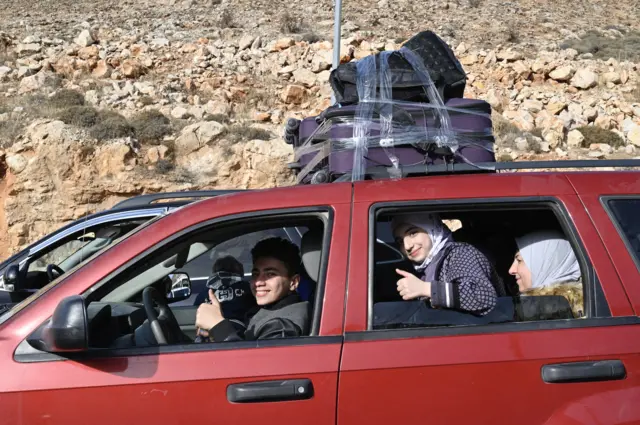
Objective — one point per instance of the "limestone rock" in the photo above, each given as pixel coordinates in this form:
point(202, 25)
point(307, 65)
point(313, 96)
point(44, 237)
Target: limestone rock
point(634, 135)
point(305, 76)
point(16, 163)
point(84, 39)
point(584, 79)
point(563, 73)
point(575, 139)
point(293, 94)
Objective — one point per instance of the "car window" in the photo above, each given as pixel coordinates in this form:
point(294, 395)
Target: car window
point(625, 213)
point(59, 254)
point(482, 266)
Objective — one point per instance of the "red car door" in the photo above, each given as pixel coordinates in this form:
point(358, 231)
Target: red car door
point(486, 374)
point(614, 206)
point(188, 383)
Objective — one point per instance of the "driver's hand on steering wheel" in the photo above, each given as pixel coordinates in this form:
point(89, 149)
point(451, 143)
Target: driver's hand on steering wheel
point(209, 315)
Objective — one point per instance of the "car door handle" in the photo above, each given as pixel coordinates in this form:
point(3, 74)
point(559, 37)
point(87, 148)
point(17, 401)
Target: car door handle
point(265, 391)
point(605, 370)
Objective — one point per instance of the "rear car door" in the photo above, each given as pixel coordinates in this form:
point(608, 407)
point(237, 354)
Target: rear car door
point(525, 371)
point(613, 203)
point(218, 382)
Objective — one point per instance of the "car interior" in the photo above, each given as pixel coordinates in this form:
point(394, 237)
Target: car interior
point(43, 267)
point(492, 231)
point(133, 309)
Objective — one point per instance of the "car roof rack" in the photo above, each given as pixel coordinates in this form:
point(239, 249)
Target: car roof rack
point(493, 167)
point(142, 200)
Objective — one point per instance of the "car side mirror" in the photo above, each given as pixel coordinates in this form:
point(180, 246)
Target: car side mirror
point(67, 331)
point(12, 278)
point(180, 287)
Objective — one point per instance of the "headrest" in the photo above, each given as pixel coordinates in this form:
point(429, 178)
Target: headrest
point(311, 252)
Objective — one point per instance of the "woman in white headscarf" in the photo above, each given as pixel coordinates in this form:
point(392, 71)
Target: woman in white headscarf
point(545, 264)
point(450, 274)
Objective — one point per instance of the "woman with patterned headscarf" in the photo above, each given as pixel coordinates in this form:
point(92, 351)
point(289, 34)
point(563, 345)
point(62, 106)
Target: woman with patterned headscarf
point(450, 274)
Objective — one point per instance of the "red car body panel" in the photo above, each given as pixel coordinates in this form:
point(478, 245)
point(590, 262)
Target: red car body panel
point(411, 377)
point(372, 377)
point(74, 392)
point(591, 189)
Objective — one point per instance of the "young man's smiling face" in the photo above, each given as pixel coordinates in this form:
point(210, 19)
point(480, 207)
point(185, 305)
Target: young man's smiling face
point(271, 280)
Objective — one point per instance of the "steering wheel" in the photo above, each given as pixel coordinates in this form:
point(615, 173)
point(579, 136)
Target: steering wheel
point(164, 325)
point(51, 268)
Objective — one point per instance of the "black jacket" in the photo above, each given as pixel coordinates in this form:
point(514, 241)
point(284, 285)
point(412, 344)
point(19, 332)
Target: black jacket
point(286, 318)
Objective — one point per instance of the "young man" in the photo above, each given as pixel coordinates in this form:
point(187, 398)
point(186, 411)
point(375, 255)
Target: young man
point(279, 313)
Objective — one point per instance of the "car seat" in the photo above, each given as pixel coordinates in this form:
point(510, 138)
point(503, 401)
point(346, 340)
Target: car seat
point(311, 253)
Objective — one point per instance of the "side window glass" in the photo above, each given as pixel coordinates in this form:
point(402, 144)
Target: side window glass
point(625, 213)
point(462, 268)
point(62, 252)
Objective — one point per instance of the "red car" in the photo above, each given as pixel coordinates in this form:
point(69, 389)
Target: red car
point(75, 352)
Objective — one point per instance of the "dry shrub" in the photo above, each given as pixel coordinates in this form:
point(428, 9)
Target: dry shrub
point(164, 166)
point(241, 132)
point(290, 24)
point(66, 98)
point(79, 116)
point(111, 125)
point(595, 134)
point(151, 126)
point(603, 47)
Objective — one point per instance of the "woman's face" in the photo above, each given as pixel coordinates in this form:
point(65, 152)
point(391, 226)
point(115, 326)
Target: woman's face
point(414, 242)
point(521, 272)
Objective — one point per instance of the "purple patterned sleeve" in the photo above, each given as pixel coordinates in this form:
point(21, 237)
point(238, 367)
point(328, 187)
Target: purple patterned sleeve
point(464, 282)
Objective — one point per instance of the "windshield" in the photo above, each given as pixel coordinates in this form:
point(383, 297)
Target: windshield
point(7, 311)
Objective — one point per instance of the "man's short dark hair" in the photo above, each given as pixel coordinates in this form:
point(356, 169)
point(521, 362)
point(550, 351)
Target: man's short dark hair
point(280, 249)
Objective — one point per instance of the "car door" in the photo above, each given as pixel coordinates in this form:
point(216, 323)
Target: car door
point(578, 371)
point(188, 383)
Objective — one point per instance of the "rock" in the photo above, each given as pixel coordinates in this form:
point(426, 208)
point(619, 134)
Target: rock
point(25, 71)
point(179, 113)
point(636, 111)
point(461, 49)
point(160, 42)
point(114, 159)
point(521, 144)
point(604, 121)
point(263, 116)
point(590, 114)
point(132, 68)
point(286, 70)
point(16, 163)
point(284, 43)
point(509, 55)
point(155, 154)
point(634, 136)
point(208, 131)
point(563, 73)
point(257, 43)
point(4, 73)
point(522, 119)
point(245, 42)
point(553, 138)
point(533, 106)
point(39, 81)
point(293, 94)
point(321, 61)
point(494, 100)
point(84, 39)
point(630, 149)
point(584, 79)
point(624, 76)
point(556, 107)
point(522, 69)
point(612, 77)
point(28, 49)
point(305, 77)
point(575, 139)
point(88, 52)
point(471, 59)
point(102, 70)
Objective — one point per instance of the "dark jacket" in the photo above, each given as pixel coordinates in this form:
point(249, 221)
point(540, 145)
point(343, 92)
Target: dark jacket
point(462, 278)
point(286, 318)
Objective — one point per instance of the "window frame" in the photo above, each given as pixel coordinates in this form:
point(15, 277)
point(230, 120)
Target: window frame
point(605, 202)
point(596, 306)
point(325, 213)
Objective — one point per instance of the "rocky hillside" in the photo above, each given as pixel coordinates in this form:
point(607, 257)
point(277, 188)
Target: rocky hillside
point(104, 100)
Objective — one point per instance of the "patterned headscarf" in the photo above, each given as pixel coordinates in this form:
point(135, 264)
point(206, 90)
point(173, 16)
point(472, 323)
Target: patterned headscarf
point(439, 234)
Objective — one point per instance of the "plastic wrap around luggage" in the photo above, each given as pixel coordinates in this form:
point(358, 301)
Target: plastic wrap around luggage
point(380, 131)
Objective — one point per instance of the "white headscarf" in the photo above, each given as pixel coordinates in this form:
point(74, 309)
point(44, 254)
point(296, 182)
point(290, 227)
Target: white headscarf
point(549, 257)
point(439, 234)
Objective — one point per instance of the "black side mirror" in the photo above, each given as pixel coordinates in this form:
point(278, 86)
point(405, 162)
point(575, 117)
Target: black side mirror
point(12, 278)
point(67, 331)
point(180, 287)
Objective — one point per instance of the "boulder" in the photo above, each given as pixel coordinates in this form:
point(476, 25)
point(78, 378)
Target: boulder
point(584, 79)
